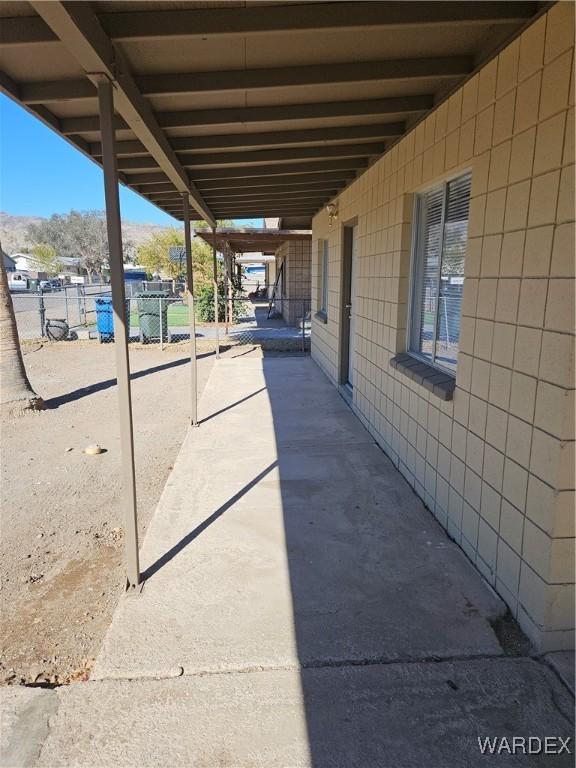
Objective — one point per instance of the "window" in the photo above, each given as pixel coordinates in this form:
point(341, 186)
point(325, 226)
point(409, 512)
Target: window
point(441, 221)
point(323, 276)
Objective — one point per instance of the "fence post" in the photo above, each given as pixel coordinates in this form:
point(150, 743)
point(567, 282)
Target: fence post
point(66, 305)
point(41, 312)
point(79, 304)
point(303, 326)
point(161, 325)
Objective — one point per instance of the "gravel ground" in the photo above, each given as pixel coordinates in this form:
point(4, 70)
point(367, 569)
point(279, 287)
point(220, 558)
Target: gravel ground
point(61, 544)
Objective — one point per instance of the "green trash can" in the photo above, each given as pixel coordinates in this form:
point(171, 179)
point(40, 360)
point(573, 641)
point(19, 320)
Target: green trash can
point(153, 316)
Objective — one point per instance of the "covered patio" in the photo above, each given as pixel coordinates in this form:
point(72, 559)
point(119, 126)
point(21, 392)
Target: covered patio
point(297, 601)
point(236, 111)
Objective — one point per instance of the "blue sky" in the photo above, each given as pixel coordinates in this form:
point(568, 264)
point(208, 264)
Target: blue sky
point(41, 174)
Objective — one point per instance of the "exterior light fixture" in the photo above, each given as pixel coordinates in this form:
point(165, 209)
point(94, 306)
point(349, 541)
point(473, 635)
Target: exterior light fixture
point(332, 210)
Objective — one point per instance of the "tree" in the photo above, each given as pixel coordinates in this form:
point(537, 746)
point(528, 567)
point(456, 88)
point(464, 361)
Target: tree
point(154, 255)
point(16, 393)
point(78, 234)
point(47, 258)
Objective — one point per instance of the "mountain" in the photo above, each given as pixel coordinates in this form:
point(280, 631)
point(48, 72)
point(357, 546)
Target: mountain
point(13, 231)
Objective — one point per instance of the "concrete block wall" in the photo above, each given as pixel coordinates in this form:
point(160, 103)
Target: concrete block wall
point(296, 256)
point(496, 464)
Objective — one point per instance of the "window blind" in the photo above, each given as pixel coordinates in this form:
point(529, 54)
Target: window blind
point(442, 231)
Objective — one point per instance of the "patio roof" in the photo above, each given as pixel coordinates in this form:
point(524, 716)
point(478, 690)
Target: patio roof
point(252, 240)
point(250, 109)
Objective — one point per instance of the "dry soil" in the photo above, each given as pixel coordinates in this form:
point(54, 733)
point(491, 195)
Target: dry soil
point(61, 513)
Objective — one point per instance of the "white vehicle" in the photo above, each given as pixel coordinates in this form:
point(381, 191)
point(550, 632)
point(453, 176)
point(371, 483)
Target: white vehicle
point(17, 281)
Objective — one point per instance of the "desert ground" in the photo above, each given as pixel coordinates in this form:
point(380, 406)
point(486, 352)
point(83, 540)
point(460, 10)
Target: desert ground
point(61, 520)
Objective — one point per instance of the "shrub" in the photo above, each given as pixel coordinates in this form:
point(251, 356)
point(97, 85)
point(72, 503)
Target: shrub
point(204, 304)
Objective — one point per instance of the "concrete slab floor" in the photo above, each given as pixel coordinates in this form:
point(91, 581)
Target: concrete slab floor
point(285, 537)
point(300, 608)
point(375, 716)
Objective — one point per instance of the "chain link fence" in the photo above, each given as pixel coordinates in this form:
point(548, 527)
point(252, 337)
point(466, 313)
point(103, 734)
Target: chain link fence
point(157, 313)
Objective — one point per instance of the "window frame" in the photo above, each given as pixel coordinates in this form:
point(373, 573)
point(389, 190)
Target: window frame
point(416, 266)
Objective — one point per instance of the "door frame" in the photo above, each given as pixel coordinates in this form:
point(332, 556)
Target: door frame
point(345, 291)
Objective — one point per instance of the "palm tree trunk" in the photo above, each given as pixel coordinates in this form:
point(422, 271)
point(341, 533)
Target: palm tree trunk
point(16, 394)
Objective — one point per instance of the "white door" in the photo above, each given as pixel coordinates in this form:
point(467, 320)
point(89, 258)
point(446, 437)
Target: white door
point(352, 307)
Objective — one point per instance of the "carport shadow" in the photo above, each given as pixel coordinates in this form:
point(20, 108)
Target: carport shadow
point(377, 590)
point(189, 538)
point(77, 394)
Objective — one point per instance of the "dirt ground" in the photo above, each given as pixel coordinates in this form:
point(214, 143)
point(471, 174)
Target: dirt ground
point(61, 517)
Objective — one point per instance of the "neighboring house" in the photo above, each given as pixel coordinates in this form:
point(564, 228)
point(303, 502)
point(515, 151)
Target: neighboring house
point(443, 309)
point(71, 269)
point(9, 263)
point(26, 262)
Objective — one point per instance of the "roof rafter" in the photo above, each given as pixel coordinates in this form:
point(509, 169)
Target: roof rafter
point(231, 159)
point(396, 105)
point(280, 170)
point(77, 26)
point(277, 19)
point(256, 79)
point(312, 136)
point(344, 175)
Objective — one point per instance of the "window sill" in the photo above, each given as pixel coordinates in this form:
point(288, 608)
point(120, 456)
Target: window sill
point(322, 317)
point(440, 384)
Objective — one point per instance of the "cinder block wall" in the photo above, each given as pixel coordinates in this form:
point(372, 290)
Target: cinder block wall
point(496, 464)
point(297, 259)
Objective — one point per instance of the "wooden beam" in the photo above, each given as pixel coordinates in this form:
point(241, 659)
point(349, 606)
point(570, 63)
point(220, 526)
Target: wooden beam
point(210, 174)
point(219, 81)
point(262, 212)
point(308, 18)
point(173, 23)
point(282, 155)
point(397, 105)
point(252, 202)
point(159, 188)
point(145, 179)
point(313, 136)
point(287, 196)
point(278, 181)
point(77, 26)
point(233, 159)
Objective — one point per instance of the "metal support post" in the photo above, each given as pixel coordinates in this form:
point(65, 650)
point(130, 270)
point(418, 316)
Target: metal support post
point(230, 290)
point(191, 317)
point(66, 304)
point(303, 326)
point(215, 268)
point(113, 223)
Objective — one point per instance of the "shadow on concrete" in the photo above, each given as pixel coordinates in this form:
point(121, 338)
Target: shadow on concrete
point(232, 405)
point(77, 394)
point(189, 538)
